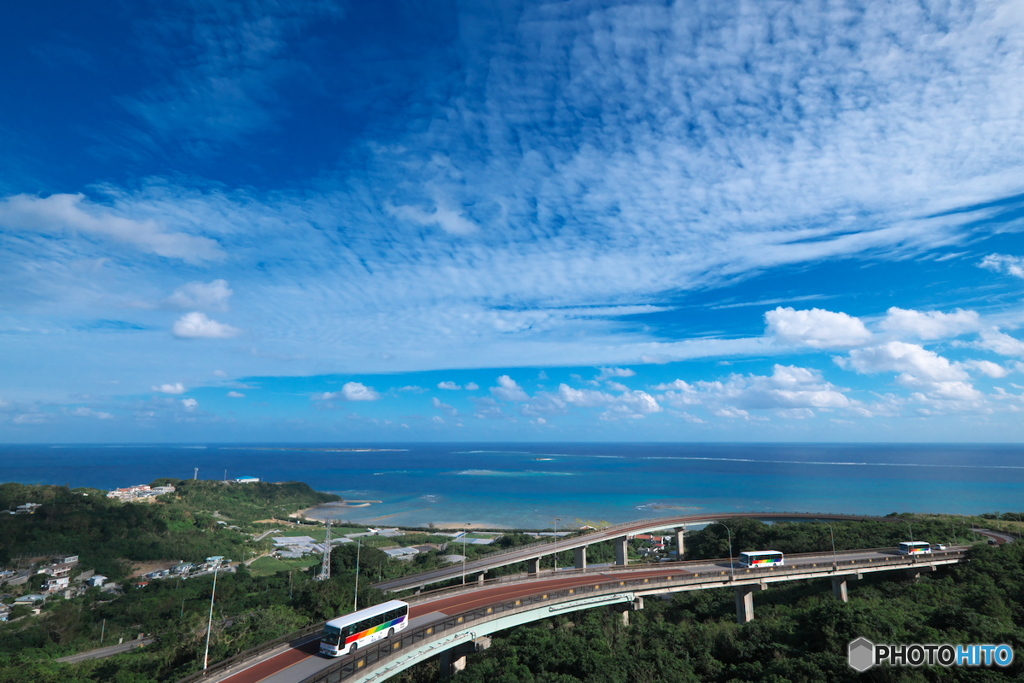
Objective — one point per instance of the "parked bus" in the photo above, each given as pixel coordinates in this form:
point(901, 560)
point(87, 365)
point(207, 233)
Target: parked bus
point(345, 634)
point(761, 558)
point(914, 547)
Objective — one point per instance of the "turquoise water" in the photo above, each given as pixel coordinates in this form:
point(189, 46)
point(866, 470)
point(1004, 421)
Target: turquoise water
point(536, 484)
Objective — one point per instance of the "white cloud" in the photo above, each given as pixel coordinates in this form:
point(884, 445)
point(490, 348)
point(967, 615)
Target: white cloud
point(235, 394)
point(911, 360)
point(729, 412)
point(472, 386)
point(350, 391)
point(615, 372)
point(412, 388)
point(197, 325)
point(817, 328)
point(788, 387)
point(443, 216)
point(986, 367)
point(1002, 263)
point(89, 412)
point(176, 388)
point(439, 405)
point(918, 367)
point(190, 403)
point(634, 401)
point(63, 213)
point(452, 386)
point(930, 324)
point(1001, 343)
point(203, 295)
point(676, 384)
point(509, 390)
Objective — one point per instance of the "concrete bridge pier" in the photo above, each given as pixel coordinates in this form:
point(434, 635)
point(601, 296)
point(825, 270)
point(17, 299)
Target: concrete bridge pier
point(533, 565)
point(745, 602)
point(625, 608)
point(621, 555)
point(454, 660)
point(914, 573)
point(580, 557)
point(679, 541)
point(839, 585)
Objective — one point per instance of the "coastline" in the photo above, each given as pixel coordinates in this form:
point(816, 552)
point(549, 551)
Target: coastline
point(321, 513)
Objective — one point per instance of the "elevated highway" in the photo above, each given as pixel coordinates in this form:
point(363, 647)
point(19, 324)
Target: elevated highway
point(619, 534)
point(450, 621)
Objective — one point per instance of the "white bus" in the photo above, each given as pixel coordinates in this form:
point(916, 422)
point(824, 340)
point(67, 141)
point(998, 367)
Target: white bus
point(914, 547)
point(346, 634)
point(761, 558)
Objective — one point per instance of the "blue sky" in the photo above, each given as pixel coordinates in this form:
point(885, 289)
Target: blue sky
point(767, 221)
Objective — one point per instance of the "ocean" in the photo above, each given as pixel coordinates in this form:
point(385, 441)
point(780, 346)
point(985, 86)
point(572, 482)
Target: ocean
point(550, 485)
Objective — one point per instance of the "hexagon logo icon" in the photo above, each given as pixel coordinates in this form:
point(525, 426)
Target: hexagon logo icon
point(862, 654)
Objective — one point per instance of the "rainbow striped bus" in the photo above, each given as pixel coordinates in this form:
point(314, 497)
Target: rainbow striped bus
point(914, 547)
point(352, 631)
point(761, 558)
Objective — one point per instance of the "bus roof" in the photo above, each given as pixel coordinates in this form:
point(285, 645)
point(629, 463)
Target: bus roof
point(760, 552)
point(368, 612)
point(914, 543)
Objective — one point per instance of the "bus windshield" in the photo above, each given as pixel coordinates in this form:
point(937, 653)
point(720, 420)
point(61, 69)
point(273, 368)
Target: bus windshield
point(331, 635)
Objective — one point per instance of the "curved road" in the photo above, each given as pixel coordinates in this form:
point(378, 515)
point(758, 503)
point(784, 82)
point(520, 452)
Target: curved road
point(299, 662)
point(543, 548)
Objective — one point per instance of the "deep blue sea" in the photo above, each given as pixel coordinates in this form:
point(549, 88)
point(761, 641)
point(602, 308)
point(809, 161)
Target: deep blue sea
point(533, 485)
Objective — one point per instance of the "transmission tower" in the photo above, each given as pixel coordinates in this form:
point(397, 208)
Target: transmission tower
point(325, 567)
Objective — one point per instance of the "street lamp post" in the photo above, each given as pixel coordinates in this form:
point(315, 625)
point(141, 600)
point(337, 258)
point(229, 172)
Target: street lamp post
point(355, 593)
point(911, 527)
point(554, 555)
point(464, 532)
point(835, 559)
point(732, 569)
point(209, 625)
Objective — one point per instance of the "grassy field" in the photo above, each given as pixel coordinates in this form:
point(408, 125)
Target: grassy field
point(318, 533)
point(265, 566)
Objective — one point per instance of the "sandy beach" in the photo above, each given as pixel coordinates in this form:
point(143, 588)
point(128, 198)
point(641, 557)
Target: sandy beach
point(459, 526)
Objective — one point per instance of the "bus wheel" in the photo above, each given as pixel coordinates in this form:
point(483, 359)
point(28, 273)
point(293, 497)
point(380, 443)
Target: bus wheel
point(355, 646)
point(391, 632)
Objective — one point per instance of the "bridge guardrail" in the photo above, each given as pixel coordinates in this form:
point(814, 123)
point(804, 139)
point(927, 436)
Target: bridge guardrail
point(252, 653)
point(392, 648)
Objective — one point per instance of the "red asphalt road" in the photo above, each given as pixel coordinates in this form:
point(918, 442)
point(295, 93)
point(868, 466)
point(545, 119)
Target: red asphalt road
point(448, 605)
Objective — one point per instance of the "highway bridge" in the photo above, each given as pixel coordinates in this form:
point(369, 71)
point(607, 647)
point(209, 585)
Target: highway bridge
point(618, 534)
point(451, 622)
